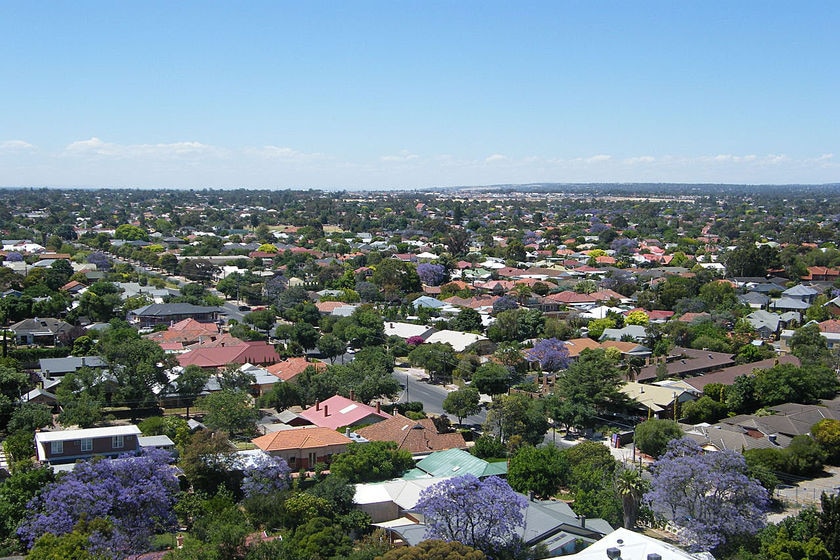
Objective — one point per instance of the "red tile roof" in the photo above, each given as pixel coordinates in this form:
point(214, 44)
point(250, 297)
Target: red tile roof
point(414, 436)
point(300, 438)
point(291, 368)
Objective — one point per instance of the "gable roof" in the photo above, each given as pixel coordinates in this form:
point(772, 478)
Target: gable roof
point(414, 436)
point(255, 352)
point(455, 462)
point(292, 367)
point(338, 412)
point(301, 438)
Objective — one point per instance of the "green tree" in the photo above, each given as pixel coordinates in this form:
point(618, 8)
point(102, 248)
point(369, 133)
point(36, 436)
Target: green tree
point(492, 379)
point(826, 433)
point(630, 487)
point(515, 418)
point(190, 384)
point(331, 347)
point(593, 381)
point(229, 410)
point(15, 492)
point(438, 359)
point(652, 436)
point(262, 320)
point(371, 462)
point(541, 470)
point(462, 403)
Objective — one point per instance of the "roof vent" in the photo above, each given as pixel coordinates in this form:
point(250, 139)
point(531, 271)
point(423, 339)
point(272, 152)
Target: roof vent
point(613, 553)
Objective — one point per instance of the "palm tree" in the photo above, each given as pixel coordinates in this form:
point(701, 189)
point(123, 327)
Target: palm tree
point(630, 486)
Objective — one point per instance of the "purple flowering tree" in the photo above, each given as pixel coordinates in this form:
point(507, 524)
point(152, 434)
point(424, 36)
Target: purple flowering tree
point(431, 274)
point(265, 475)
point(708, 495)
point(414, 340)
point(135, 494)
point(482, 514)
point(551, 353)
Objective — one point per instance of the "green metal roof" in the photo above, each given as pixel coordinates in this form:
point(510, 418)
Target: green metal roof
point(456, 462)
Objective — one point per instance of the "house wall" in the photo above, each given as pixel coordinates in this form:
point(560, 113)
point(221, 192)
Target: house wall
point(300, 458)
point(101, 446)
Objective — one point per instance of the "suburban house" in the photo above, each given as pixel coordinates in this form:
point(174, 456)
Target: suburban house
point(292, 367)
point(256, 352)
point(418, 437)
point(171, 313)
point(52, 367)
point(550, 523)
point(340, 412)
point(46, 331)
point(185, 332)
point(623, 543)
point(69, 446)
point(303, 447)
point(656, 401)
point(686, 362)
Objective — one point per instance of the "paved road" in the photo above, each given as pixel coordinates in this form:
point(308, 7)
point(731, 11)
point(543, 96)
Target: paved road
point(431, 396)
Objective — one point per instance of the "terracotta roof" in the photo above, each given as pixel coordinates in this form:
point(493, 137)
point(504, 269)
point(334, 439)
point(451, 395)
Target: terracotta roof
point(257, 352)
point(577, 345)
point(300, 438)
point(291, 368)
point(185, 332)
point(415, 436)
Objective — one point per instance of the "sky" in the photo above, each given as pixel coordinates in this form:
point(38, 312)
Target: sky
point(417, 94)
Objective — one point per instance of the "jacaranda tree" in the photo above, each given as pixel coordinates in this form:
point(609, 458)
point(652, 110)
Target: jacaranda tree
point(552, 354)
point(135, 494)
point(482, 514)
point(265, 475)
point(708, 495)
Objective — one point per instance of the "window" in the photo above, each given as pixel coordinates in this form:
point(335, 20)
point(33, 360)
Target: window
point(87, 444)
point(312, 460)
point(292, 461)
point(117, 442)
point(56, 447)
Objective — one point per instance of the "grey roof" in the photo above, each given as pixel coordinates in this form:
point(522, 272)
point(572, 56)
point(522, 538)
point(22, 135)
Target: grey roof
point(69, 364)
point(46, 325)
point(167, 309)
point(789, 303)
point(754, 298)
point(799, 291)
point(637, 332)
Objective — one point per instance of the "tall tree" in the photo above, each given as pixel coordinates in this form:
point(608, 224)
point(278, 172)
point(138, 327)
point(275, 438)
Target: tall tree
point(709, 495)
point(135, 494)
point(482, 514)
point(462, 403)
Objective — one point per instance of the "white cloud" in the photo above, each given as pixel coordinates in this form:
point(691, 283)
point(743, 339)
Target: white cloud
point(15, 145)
point(639, 160)
point(496, 158)
point(176, 150)
point(281, 153)
point(403, 156)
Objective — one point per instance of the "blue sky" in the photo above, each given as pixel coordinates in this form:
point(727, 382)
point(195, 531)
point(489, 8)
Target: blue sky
point(417, 94)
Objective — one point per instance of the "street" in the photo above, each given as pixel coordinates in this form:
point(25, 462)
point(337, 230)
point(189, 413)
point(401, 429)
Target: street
point(430, 395)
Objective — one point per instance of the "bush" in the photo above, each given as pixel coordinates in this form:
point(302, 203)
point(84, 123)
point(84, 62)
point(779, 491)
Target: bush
point(488, 447)
point(653, 435)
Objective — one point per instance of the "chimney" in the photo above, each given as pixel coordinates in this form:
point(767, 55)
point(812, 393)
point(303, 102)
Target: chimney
point(317, 405)
point(326, 411)
point(772, 438)
point(582, 519)
point(352, 395)
point(613, 553)
point(654, 556)
point(347, 431)
point(378, 407)
point(531, 495)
